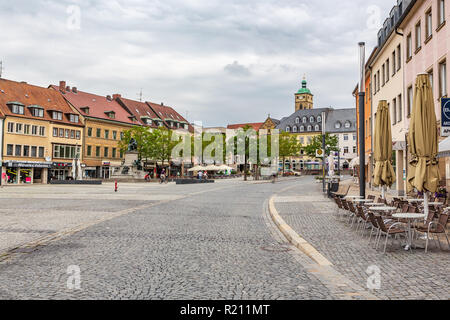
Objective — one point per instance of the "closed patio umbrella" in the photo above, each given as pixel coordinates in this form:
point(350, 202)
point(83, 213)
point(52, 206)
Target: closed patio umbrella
point(423, 141)
point(383, 174)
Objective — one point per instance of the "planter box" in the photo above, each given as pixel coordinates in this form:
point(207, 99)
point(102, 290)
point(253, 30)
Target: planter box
point(76, 182)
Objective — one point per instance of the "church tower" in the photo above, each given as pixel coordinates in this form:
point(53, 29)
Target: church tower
point(304, 98)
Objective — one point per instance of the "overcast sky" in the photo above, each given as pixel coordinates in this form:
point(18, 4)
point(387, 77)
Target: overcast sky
point(216, 61)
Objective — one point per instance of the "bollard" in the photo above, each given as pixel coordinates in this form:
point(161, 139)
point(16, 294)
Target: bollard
point(115, 186)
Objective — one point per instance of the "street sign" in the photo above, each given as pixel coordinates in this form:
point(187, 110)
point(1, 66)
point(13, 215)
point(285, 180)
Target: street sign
point(319, 153)
point(445, 107)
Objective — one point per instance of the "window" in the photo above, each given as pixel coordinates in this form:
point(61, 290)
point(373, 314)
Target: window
point(73, 118)
point(72, 134)
point(121, 154)
point(18, 128)
point(311, 119)
point(409, 101)
point(61, 133)
point(89, 132)
point(10, 127)
point(304, 120)
point(89, 151)
point(97, 151)
point(345, 137)
point(41, 152)
point(18, 152)
point(387, 70)
point(399, 57)
point(442, 79)
point(99, 133)
point(319, 119)
point(78, 135)
point(309, 128)
point(400, 107)
point(106, 134)
point(37, 112)
point(297, 120)
point(302, 129)
point(288, 129)
point(418, 36)
point(409, 47)
point(394, 60)
point(42, 131)
point(121, 136)
point(378, 80)
point(428, 25)
point(345, 150)
point(430, 76)
point(337, 125)
point(348, 125)
point(354, 136)
point(114, 135)
point(34, 152)
point(441, 12)
point(317, 127)
point(26, 129)
point(67, 134)
point(9, 150)
point(375, 83)
point(106, 151)
point(114, 152)
point(57, 115)
point(384, 76)
point(55, 132)
point(394, 111)
point(294, 129)
point(354, 149)
point(26, 151)
point(17, 109)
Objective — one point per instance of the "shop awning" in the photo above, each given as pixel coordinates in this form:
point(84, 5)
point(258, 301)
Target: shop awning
point(444, 148)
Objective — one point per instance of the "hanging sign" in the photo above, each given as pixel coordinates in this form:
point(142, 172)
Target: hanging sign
point(445, 107)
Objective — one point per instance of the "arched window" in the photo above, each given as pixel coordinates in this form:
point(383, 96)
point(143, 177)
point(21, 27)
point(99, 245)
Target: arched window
point(317, 127)
point(309, 128)
point(337, 125)
point(297, 120)
point(348, 125)
point(311, 119)
point(294, 129)
point(288, 129)
point(319, 119)
point(302, 129)
point(305, 119)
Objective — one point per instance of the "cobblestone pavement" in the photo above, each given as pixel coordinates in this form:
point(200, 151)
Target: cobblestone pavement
point(404, 275)
point(177, 242)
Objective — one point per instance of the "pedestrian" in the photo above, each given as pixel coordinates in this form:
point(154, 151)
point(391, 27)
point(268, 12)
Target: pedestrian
point(200, 175)
point(206, 175)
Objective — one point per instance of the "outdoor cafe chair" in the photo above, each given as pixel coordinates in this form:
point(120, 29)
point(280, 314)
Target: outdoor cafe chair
point(391, 230)
point(435, 228)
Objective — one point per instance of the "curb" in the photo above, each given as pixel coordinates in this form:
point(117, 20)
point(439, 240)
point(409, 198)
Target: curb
point(294, 238)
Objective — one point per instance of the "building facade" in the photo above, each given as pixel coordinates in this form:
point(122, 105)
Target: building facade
point(41, 134)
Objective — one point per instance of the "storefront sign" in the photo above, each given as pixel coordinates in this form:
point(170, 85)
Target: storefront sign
point(28, 164)
point(445, 107)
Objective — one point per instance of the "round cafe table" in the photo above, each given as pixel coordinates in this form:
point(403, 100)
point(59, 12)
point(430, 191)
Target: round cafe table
point(374, 204)
point(410, 217)
point(383, 209)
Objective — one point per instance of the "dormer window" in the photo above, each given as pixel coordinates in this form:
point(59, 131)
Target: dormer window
point(319, 119)
point(348, 125)
point(85, 110)
point(112, 115)
point(309, 128)
point(337, 125)
point(56, 115)
point(302, 129)
point(36, 111)
point(312, 120)
point(73, 118)
point(16, 107)
point(288, 129)
point(304, 120)
point(297, 120)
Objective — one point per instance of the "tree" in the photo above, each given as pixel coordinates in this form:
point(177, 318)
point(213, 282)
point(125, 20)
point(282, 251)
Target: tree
point(331, 141)
point(289, 147)
point(141, 136)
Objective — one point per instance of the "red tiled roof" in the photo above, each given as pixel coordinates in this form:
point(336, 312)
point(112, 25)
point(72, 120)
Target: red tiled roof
point(138, 109)
point(27, 94)
point(255, 126)
point(167, 113)
point(98, 105)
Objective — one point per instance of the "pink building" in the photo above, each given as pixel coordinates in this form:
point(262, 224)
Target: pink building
point(426, 45)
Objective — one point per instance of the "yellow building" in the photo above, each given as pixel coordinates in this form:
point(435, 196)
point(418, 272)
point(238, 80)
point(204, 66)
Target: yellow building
point(31, 114)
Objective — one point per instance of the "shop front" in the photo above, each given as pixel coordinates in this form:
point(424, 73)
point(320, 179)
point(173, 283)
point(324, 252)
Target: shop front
point(25, 172)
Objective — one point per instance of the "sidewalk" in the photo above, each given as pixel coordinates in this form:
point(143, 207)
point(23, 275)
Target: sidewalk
point(404, 275)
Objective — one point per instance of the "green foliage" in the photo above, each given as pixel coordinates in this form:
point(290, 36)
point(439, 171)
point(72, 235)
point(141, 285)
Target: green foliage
point(331, 141)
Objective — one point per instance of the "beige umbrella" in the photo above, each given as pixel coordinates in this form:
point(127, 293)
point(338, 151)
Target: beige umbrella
point(423, 141)
point(383, 174)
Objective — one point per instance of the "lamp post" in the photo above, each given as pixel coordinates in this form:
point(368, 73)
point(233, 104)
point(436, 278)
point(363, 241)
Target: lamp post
point(361, 98)
point(323, 150)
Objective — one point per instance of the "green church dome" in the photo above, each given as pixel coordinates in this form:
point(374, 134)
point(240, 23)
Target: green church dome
point(304, 88)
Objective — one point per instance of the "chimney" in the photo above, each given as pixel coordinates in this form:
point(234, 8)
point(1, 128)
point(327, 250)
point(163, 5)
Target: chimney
point(116, 96)
point(108, 97)
point(68, 89)
point(162, 103)
point(74, 89)
point(62, 86)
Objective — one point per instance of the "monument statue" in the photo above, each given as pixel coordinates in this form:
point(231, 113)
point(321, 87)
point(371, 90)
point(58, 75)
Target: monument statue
point(132, 146)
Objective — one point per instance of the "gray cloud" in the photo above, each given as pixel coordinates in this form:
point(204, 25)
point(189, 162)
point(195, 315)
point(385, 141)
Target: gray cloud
point(181, 52)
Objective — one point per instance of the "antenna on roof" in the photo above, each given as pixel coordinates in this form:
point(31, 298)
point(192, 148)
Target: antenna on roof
point(1, 68)
point(140, 95)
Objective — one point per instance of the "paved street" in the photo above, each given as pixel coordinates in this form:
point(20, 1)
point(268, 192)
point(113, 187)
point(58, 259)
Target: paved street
point(154, 241)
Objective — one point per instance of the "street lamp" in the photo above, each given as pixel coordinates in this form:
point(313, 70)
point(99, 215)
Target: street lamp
point(361, 98)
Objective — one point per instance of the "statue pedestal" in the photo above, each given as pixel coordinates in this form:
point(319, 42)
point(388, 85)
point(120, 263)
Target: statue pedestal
point(129, 169)
point(130, 159)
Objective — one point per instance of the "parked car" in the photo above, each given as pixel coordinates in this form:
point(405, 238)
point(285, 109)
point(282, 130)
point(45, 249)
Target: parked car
point(292, 173)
